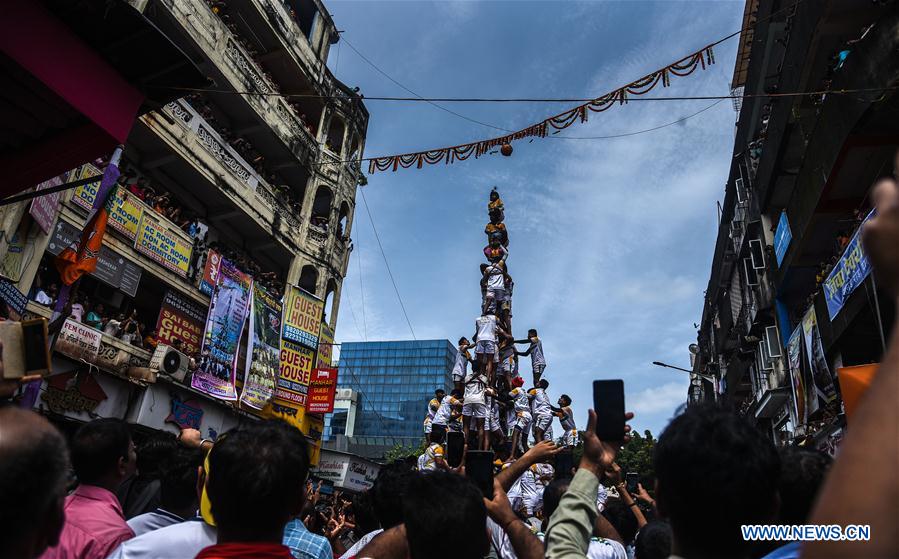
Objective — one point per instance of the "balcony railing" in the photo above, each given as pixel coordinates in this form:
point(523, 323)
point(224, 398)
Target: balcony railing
point(229, 56)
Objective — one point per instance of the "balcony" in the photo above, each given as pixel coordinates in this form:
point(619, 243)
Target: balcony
point(236, 67)
point(220, 182)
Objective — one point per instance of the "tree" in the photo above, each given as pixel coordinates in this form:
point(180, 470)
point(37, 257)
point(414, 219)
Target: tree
point(636, 456)
point(401, 452)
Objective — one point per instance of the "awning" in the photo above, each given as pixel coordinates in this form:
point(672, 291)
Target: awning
point(772, 402)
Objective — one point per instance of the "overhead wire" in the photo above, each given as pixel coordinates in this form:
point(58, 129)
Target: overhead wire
point(386, 263)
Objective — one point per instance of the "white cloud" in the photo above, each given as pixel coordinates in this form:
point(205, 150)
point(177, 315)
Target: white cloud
point(654, 400)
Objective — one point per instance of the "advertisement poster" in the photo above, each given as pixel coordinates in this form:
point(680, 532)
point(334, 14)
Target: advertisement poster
point(167, 246)
point(264, 358)
point(782, 238)
point(43, 208)
point(78, 341)
point(210, 272)
point(221, 337)
point(794, 354)
point(14, 300)
point(849, 272)
point(302, 317)
point(85, 194)
point(181, 318)
point(112, 268)
point(127, 208)
point(325, 346)
point(822, 389)
point(295, 369)
point(322, 387)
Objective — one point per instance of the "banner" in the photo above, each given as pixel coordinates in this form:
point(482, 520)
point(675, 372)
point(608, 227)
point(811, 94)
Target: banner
point(782, 237)
point(14, 300)
point(794, 356)
point(85, 194)
point(210, 272)
point(263, 355)
point(43, 208)
point(166, 245)
point(295, 369)
point(78, 341)
point(821, 386)
point(322, 387)
point(302, 317)
point(112, 268)
point(180, 318)
point(325, 346)
point(221, 337)
point(850, 271)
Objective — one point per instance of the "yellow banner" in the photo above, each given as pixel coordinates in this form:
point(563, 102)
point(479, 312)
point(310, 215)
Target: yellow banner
point(163, 243)
point(325, 347)
point(127, 209)
point(302, 317)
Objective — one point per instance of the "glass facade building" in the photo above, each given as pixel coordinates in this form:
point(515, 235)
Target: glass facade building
point(395, 381)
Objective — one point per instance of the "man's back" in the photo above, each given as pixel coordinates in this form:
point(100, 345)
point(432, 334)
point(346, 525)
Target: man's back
point(94, 525)
point(185, 539)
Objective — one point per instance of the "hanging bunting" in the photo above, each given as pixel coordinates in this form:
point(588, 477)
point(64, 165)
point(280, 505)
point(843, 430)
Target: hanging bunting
point(700, 59)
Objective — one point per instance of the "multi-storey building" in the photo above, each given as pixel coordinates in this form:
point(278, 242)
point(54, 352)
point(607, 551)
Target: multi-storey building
point(781, 316)
point(394, 382)
point(261, 166)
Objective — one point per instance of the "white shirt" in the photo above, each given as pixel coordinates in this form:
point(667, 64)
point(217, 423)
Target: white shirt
point(147, 522)
point(602, 495)
point(77, 311)
point(363, 541)
point(601, 548)
point(495, 277)
point(177, 541)
point(460, 367)
point(536, 350)
point(475, 385)
point(433, 406)
point(521, 400)
point(112, 328)
point(445, 411)
point(486, 326)
point(541, 403)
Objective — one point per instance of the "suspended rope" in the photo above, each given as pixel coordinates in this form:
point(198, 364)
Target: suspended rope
point(687, 65)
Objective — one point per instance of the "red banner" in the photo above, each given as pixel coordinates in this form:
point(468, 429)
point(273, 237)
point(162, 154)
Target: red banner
point(180, 319)
point(322, 387)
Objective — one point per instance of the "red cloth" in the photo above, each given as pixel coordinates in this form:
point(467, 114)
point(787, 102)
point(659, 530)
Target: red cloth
point(246, 550)
point(94, 526)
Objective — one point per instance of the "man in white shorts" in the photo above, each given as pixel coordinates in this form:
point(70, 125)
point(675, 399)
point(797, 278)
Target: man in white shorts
point(475, 407)
point(485, 351)
point(460, 367)
point(444, 416)
point(433, 406)
point(522, 409)
point(535, 350)
point(541, 410)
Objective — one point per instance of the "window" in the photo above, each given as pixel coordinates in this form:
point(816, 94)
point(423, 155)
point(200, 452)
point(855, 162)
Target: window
point(757, 252)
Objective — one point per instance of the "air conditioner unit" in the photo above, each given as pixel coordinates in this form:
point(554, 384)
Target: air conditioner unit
point(772, 342)
point(752, 277)
point(742, 195)
point(757, 252)
point(169, 361)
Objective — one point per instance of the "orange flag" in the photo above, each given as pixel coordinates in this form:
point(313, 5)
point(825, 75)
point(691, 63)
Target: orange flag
point(79, 259)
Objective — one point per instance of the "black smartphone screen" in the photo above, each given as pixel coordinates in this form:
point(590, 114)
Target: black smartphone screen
point(34, 338)
point(608, 403)
point(633, 479)
point(564, 463)
point(479, 468)
point(455, 447)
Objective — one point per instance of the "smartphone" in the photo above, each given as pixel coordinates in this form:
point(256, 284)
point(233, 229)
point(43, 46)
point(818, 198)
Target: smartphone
point(479, 468)
point(608, 403)
point(632, 479)
point(455, 447)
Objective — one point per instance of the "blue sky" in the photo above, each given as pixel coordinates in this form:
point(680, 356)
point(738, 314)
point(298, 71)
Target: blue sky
point(611, 240)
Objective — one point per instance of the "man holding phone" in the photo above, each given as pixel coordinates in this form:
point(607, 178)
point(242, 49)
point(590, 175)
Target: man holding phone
point(577, 509)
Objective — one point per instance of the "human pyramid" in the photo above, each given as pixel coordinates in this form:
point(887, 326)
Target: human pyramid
point(489, 403)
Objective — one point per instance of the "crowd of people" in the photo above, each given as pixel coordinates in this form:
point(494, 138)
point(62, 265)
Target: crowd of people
point(246, 494)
